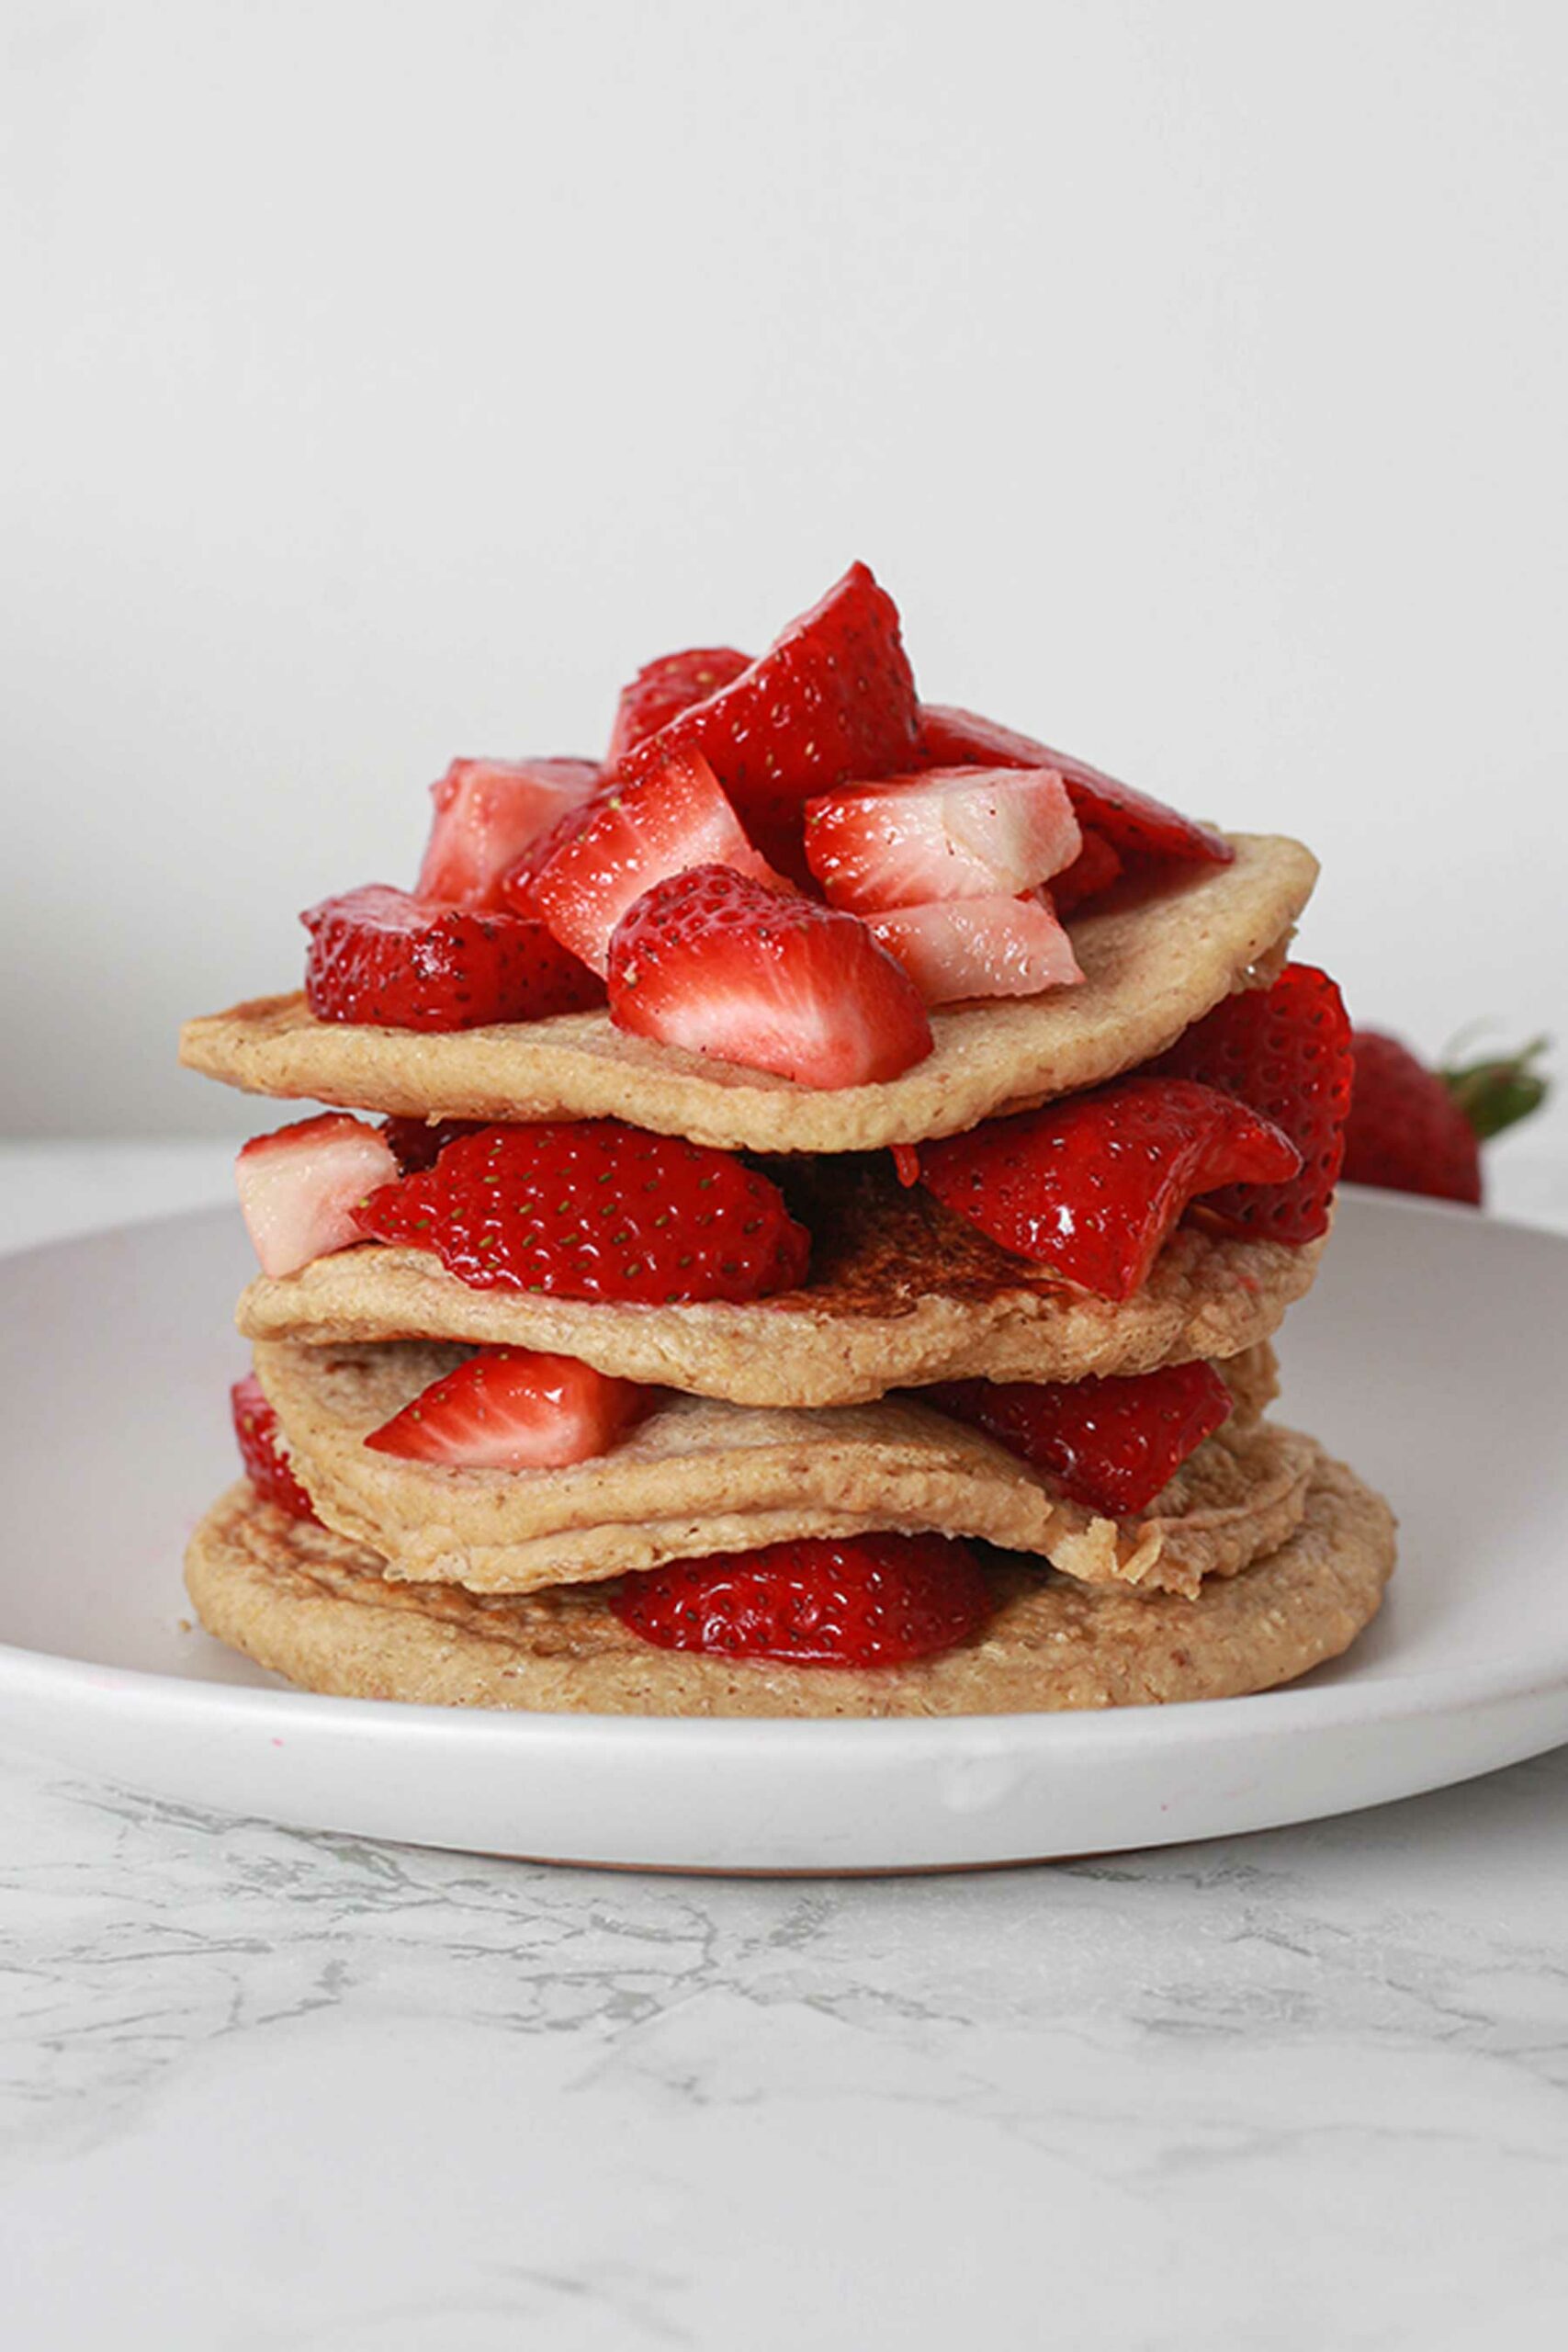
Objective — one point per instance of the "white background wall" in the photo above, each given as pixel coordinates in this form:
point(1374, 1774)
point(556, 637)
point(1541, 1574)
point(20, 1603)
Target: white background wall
point(383, 381)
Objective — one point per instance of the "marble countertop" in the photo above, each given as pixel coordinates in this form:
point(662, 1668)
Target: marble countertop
point(265, 2090)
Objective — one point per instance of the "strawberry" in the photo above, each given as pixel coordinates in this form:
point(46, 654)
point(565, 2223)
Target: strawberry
point(592, 1208)
point(1132, 823)
point(1419, 1130)
point(298, 1187)
point(672, 816)
point(487, 812)
point(379, 956)
point(832, 698)
point(416, 1143)
point(1112, 1445)
point(863, 1600)
point(513, 1408)
point(664, 689)
point(1285, 1051)
point(515, 888)
point(955, 948)
point(266, 1465)
point(1095, 868)
point(951, 833)
point(1091, 1185)
point(717, 962)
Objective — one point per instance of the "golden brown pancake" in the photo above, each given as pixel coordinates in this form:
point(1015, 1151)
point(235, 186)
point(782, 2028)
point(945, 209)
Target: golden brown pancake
point(311, 1606)
point(1154, 962)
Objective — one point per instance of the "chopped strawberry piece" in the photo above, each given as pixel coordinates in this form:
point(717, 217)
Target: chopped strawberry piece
point(515, 888)
point(957, 948)
point(721, 963)
point(487, 812)
point(865, 1601)
point(512, 1408)
point(300, 1186)
point(1095, 868)
point(266, 1465)
point(1129, 820)
point(951, 833)
point(419, 1143)
point(1112, 1445)
point(1090, 1186)
point(381, 958)
point(664, 689)
point(592, 1208)
point(673, 817)
point(1286, 1052)
point(832, 698)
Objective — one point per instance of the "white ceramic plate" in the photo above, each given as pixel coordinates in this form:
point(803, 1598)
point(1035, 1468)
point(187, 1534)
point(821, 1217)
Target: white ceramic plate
point(1432, 1353)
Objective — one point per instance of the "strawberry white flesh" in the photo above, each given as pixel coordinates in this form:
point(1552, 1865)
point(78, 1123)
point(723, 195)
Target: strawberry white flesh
point(487, 812)
point(513, 1408)
point(298, 1187)
point(955, 949)
point(658, 824)
point(950, 834)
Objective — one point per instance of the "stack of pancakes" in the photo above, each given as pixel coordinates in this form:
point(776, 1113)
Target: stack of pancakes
point(800, 1414)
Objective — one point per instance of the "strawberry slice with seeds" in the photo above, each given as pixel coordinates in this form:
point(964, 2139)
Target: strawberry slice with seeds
point(1090, 1186)
point(959, 948)
point(1129, 820)
point(593, 1208)
point(833, 697)
point(1286, 1051)
point(266, 1465)
point(1112, 1445)
point(658, 824)
point(513, 1409)
point(867, 1600)
point(664, 689)
point(379, 957)
point(300, 1186)
point(718, 962)
point(950, 834)
point(487, 813)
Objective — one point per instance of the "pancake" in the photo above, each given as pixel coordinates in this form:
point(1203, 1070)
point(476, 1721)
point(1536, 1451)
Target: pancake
point(1154, 962)
point(697, 1477)
point(311, 1606)
point(901, 1293)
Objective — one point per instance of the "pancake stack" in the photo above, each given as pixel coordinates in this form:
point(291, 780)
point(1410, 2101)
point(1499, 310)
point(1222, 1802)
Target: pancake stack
point(782, 1460)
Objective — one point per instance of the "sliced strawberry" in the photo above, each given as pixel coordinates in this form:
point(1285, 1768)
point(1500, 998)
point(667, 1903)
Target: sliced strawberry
point(300, 1186)
point(418, 1143)
point(592, 1208)
point(515, 888)
point(1112, 1445)
point(721, 963)
point(266, 1465)
point(951, 834)
point(1090, 1186)
point(956, 949)
point(1286, 1052)
point(673, 817)
point(487, 812)
point(865, 1601)
point(833, 698)
point(1095, 868)
point(381, 958)
point(664, 689)
point(512, 1408)
point(1131, 821)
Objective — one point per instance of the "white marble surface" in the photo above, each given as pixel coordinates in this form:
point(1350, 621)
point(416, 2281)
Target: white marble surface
point(262, 2090)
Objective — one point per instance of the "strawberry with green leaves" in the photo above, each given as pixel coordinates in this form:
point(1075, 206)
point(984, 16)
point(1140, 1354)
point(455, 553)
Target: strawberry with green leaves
point(1417, 1130)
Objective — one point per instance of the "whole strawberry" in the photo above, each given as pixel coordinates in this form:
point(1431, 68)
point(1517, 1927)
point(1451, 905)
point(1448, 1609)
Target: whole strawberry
point(1417, 1130)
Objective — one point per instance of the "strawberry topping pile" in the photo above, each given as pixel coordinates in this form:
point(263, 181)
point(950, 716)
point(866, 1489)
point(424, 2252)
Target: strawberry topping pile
point(1112, 1445)
point(1090, 1186)
point(513, 1409)
point(379, 956)
point(266, 1465)
point(593, 1208)
point(862, 1600)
